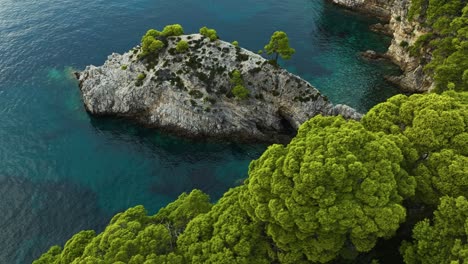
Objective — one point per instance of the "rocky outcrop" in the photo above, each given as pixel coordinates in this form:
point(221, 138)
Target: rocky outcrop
point(404, 32)
point(378, 8)
point(189, 93)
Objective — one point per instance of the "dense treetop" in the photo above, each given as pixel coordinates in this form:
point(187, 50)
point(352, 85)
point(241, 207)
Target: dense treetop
point(335, 191)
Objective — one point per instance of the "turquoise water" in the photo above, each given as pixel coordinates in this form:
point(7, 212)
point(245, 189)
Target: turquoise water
point(62, 171)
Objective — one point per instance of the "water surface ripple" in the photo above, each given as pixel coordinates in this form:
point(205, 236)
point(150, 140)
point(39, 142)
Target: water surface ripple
point(62, 171)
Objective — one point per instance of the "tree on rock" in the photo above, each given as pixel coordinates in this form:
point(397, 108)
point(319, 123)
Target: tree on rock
point(150, 45)
point(279, 44)
point(172, 30)
point(436, 128)
point(209, 33)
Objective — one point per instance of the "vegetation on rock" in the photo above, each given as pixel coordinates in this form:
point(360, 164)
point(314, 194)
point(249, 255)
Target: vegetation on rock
point(279, 44)
point(209, 33)
point(182, 46)
point(172, 30)
point(239, 90)
point(447, 42)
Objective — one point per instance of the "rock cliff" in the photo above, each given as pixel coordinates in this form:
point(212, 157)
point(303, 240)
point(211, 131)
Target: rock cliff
point(378, 8)
point(189, 93)
point(405, 34)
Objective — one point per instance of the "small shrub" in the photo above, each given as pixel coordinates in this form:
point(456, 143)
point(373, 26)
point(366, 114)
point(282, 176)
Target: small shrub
point(141, 76)
point(240, 92)
point(404, 44)
point(235, 43)
point(182, 46)
point(196, 94)
point(150, 46)
point(209, 33)
point(123, 67)
point(260, 52)
point(172, 30)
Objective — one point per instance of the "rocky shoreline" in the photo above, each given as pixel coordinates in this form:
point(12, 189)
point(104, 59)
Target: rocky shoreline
point(395, 23)
point(189, 93)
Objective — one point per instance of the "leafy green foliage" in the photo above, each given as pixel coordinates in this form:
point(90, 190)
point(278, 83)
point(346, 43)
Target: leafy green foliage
point(50, 257)
point(336, 190)
point(448, 41)
point(133, 236)
point(335, 187)
point(279, 44)
point(150, 44)
point(227, 235)
point(172, 30)
point(436, 128)
point(239, 90)
point(209, 33)
point(445, 239)
point(182, 46)
point(235, 43)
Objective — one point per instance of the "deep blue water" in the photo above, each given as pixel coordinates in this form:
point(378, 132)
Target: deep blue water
point(62, 171)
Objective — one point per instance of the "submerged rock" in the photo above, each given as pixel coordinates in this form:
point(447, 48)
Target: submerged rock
point(189, 93)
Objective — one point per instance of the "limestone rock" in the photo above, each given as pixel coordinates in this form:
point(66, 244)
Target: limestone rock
point(189, 93)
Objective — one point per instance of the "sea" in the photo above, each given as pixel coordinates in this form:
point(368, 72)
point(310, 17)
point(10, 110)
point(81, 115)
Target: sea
point(62, 170)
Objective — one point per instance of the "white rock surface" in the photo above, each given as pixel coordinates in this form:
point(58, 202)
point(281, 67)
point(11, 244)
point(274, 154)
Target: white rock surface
point(189, 93)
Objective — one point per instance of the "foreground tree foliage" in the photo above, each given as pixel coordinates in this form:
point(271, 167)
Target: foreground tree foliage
point(436, 127)
point(335, 188)
point(445, 239)
point(335, 191)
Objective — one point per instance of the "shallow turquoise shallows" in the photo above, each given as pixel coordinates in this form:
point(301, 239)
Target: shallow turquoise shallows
point(62, 171)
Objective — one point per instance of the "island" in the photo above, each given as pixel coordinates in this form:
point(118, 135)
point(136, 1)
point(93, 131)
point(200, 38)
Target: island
point(202, 87)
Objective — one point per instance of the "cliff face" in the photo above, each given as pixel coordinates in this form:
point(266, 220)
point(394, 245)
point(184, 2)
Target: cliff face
point(405, 34)
point(189, 93)
point(379, 8)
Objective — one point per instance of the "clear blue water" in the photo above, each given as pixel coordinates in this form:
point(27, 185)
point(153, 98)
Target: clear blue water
point(62, 171)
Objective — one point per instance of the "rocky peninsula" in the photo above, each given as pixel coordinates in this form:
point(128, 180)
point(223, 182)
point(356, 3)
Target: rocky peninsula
point(405, 33)
point(190, 93)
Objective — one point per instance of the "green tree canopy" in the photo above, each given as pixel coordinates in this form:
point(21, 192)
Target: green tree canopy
point(209, 33)
point(436, 127)
point(150, 46)
point(333, 192)
point(182, 46)
point(335, 188)
point(447, 43)
point(279, 44)
point(227, 235)
point(172, 30)
point(443, 240)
